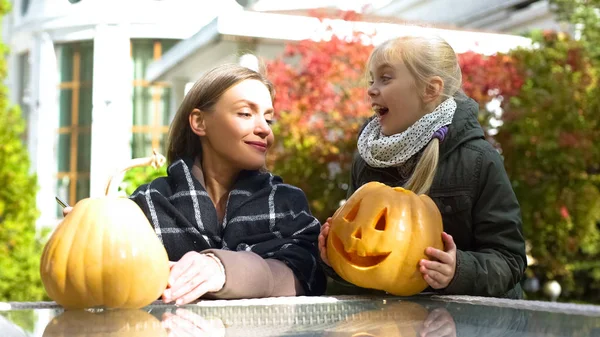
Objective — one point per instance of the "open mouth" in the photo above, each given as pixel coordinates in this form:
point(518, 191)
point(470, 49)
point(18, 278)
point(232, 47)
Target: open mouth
point(380, 110)
point(370, 260)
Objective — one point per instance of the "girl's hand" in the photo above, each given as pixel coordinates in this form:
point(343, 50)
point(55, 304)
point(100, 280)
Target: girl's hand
point(193, 276)
point(323, 241)
point(439, 272)
point(439, 323)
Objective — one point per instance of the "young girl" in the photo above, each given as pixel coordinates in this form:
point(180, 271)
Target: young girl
point(232, 229)
point(425, 137)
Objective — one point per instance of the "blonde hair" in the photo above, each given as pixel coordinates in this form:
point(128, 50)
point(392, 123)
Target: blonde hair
point(424, 57)
point(205, 93)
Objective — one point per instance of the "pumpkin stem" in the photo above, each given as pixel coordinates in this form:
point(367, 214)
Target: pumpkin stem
point(156, 160)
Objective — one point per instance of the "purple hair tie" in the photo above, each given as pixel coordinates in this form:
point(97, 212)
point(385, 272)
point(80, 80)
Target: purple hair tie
point(441, 133)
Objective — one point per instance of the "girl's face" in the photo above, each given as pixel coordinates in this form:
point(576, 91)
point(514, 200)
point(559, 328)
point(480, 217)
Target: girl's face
point(238, 131)
point(394, 97)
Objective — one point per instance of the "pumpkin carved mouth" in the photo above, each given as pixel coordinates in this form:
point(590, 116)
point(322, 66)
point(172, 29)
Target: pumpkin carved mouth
point(353, 258)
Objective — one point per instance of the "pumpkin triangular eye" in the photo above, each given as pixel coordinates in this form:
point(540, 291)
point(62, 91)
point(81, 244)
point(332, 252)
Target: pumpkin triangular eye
point(358, 234)
point(382, 220)
point(353, 212)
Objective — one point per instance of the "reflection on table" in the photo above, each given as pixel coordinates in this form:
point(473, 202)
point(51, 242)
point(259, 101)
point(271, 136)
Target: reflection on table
point(351, 316)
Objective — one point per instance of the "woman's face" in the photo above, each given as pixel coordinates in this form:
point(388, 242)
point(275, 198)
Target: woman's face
point(238, 131)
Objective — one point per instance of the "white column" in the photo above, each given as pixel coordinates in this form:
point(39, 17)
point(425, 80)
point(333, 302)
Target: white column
point(112, 106)
point(177, 95)
point(250, 61)
point(43, 125)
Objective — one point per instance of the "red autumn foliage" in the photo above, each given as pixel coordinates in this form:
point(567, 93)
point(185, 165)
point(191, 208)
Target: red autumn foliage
point(485, 77)
point(329, 77)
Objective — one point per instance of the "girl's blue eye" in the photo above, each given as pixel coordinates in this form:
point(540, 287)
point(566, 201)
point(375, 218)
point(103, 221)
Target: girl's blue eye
point(270, 121)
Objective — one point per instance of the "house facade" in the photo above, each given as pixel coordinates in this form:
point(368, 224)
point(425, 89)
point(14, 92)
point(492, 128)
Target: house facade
point(77, 69)
point(99, 81)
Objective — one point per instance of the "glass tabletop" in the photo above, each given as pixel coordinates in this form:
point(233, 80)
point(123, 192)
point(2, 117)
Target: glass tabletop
point(310, 316)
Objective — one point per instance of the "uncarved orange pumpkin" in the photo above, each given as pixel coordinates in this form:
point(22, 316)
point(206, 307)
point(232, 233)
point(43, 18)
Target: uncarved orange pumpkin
point(378, 237)
point(105, 253)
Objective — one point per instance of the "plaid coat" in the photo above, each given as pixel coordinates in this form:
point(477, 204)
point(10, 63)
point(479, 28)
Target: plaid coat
point(262, 215)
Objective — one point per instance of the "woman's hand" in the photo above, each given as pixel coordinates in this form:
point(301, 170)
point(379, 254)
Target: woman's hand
point(193, 276)
point(187, 323)
point(323, 241)
point(440, 271)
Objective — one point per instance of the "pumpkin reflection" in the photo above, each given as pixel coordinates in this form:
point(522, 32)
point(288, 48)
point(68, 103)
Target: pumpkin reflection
point(400, 319)
point(107, 323)
point(378, 237)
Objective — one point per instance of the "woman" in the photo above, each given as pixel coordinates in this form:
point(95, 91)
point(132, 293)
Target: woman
point(230, 228)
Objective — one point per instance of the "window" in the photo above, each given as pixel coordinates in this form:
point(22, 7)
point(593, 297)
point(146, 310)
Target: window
point(151, 103)
point(75, 65)
point(24, 7)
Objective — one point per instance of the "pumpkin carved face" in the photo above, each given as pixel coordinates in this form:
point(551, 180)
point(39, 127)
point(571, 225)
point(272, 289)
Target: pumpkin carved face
point(105, 253)
point(378, 237)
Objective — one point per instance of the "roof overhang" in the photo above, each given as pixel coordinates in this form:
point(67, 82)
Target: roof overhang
point(209, 44)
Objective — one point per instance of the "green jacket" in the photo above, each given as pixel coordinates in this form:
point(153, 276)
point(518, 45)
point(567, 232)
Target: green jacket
point(478, 206)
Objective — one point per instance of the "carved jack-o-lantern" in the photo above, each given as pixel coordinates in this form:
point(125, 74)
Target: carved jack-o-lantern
point(378, 237)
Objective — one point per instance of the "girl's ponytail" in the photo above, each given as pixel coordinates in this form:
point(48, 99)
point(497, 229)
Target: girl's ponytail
point(422, 178)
